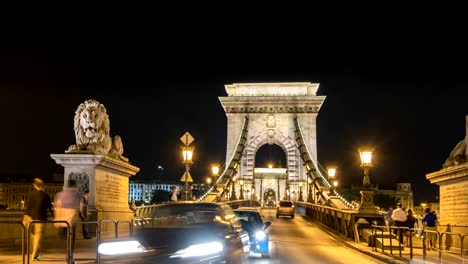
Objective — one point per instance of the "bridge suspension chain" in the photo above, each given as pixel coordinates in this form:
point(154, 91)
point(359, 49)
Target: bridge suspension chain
point(224, 181)
point(311, 167)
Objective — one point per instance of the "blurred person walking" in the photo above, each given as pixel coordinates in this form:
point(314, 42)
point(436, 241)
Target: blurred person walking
point(67, 208)
point(36, 209)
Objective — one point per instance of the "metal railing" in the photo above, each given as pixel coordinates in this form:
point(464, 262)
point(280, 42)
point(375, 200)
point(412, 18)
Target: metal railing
point(70, 236)
point(378, 231)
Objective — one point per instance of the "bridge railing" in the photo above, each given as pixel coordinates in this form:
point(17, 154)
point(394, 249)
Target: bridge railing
point(348, 222)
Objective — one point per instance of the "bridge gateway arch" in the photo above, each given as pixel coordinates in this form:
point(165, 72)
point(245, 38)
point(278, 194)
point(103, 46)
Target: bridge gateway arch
point(271, 110)
point(284, 114)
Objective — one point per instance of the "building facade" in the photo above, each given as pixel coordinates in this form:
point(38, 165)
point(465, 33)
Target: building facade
point(13, 195)
point(142, 191)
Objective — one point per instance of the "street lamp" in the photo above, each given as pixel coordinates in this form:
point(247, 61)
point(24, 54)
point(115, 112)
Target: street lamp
point(215, 170)
point(160, 172)
point(367, 194)
point(208, 181)
point(241, 183)
point(233, 191)
point(335, 183)
point(331, 172)
point(309, 192)
point(187, 153)
point(301, 199)
point(366, 164)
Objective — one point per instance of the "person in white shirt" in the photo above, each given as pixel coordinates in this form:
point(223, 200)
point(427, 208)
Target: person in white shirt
point(399, 216)
point(174, 194)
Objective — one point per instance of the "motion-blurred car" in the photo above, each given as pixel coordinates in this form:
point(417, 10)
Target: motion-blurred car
point(183, 232)
point(252, 222)
point(270, 203)
point(285, 208)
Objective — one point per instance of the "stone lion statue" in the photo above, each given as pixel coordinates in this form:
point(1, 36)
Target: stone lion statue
point(92, 132)
point(459, 154)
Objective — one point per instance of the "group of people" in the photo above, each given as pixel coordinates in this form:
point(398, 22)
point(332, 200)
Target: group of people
point(401, 218)
point(69, 206)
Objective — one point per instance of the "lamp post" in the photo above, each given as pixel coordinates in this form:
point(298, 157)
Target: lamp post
point(310, 198)
point(215, 170)
point(367, 194)
point(301, 199)
point(208, 181)
point(187, 154)
point(331, 173)
point(241, 183)
point(335, 184)
point(233, 190)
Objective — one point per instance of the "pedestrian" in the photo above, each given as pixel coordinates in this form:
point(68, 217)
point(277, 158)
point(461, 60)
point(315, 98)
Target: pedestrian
point(68, 209)
point(84, 214)
point(37, 207)
point(410, 221)
point(388, 216)
point(173, 194)
point(399, 216)
point(133, 207)
point(430, 224)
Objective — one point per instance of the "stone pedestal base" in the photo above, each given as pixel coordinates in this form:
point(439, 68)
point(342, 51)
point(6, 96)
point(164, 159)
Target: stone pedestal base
point(107, 181)
point(453, 210)
point(367, 203)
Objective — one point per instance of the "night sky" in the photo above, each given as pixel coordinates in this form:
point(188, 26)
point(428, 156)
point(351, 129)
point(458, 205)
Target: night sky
point(407, 101)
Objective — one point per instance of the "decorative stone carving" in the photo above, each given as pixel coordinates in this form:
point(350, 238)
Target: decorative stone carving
point(271, 122)
point(459, 154)
point(82, 181)
point(92, 132)
point(117, 149)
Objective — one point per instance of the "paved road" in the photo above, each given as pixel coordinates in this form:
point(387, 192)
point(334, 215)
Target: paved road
point(291, 241)
point(299, 241)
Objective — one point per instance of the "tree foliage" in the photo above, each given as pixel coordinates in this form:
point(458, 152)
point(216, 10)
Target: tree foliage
point(384, 201)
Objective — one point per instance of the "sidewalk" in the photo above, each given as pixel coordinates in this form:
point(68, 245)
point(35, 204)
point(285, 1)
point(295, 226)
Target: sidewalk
point(431, 256)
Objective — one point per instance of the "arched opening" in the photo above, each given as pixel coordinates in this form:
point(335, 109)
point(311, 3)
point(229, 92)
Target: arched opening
point(270, 173)
point(269, 198)
point(270, 154)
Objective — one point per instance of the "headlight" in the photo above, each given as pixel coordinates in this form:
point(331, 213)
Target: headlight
point(199, 250)
point(120, 247)
point(260, 235)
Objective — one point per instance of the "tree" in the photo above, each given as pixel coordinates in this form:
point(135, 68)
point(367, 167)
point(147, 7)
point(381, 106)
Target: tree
point(384, 201)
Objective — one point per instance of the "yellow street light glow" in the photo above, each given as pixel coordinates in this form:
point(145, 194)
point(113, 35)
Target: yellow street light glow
point(215, 170)
point(366, 158)
point(331, 172)
point(187, 154)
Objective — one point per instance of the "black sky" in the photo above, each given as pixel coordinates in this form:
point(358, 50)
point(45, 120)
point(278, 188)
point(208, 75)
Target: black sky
point(406, 97)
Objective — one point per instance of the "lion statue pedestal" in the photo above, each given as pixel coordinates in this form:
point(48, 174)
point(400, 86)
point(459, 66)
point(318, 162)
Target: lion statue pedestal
point(453, 183)
point(106, 179)
point(96, 163)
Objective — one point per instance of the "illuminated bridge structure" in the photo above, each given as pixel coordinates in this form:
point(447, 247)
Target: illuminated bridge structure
point(273, 113)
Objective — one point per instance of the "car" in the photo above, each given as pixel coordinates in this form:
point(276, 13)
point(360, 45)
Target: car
point(252, 222)
point(285, 208)
point(183, 232)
